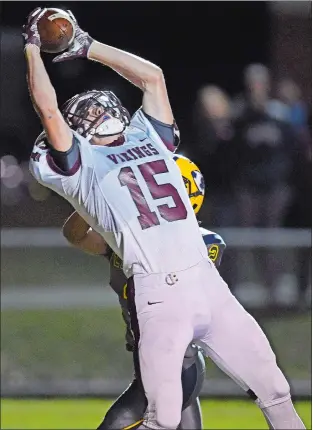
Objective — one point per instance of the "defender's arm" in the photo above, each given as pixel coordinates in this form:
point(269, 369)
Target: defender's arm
point(215, 245)
point(79, 234)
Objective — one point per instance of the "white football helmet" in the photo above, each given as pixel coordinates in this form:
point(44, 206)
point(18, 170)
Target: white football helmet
point(96, 113)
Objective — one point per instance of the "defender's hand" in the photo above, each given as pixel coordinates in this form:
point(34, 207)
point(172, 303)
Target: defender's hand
point(30, 29)
point(80, 46)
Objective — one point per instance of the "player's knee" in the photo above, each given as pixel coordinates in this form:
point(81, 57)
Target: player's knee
point(168, 404)
point(168, 419)
point(280, 387)
point(278, 390)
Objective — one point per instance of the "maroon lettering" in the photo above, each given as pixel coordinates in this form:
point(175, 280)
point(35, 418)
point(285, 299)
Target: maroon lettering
point(148, 218)
point(145, 150)
point(120, 157)
point(131, 153)
point(138, 152)
point(126, 156)
point(152, 149)
point(113, 158)
point(158, 191)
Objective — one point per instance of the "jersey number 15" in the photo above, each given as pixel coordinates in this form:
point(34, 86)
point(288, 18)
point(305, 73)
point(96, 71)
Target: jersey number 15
point(147, 217)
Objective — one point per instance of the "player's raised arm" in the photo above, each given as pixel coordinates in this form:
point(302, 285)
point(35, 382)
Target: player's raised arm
point(145, 75)
point(79, 234)
point(41, 90)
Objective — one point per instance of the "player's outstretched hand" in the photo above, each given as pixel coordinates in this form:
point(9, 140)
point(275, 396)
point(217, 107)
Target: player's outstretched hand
point(30, 29)
point(80, 45)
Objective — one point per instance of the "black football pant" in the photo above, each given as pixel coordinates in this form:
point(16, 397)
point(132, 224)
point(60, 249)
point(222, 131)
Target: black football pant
point(128, 410)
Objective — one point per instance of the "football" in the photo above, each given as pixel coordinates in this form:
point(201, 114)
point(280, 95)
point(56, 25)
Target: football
point(57, 30)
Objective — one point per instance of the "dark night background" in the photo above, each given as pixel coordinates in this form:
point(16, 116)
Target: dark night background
point(194, 42)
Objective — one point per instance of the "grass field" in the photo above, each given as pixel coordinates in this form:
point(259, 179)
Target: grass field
point(87, 414)
point(54, 344)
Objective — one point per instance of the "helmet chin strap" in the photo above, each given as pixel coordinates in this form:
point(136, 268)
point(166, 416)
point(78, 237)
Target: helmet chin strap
point(108, 128)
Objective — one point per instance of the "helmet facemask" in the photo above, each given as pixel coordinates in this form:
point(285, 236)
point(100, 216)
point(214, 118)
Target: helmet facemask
point(96, 113)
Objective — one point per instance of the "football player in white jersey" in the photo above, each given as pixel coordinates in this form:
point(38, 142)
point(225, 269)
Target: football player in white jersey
point(120, 176)
point(128, 410)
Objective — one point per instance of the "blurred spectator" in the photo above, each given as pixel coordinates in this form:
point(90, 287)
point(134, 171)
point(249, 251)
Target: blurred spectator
point(264, 154)
point(256, 93)
point(300, 211)
point(265, 148)
point(289, 93)
point(214, 153)
point(288, 105)
point(274, 157)
point(264, 142)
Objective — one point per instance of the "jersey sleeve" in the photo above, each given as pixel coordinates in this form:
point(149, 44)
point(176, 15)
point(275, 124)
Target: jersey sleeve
point(73, 182)
point(215, 245)
point(67, 161)
point(152, 127)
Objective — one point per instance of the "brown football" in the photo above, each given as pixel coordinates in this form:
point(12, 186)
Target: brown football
point(56, 30)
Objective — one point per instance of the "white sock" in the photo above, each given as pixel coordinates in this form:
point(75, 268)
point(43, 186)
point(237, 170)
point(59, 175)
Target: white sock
point(283, 416)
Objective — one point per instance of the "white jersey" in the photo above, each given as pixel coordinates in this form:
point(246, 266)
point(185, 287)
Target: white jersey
point(134, 196)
